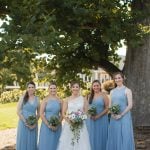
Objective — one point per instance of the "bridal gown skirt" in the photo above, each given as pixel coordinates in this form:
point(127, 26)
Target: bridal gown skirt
point(66, 139)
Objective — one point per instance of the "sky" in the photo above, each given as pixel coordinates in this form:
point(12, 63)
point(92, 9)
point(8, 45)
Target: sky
point(122, 51)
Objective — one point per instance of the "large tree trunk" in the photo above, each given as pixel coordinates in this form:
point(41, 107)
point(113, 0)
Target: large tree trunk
point(137, 71)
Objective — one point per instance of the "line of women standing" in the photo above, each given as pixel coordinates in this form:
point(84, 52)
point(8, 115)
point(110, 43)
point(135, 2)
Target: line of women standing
point(97, 133)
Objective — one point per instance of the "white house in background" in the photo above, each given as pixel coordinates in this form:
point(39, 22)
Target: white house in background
point(100, 74)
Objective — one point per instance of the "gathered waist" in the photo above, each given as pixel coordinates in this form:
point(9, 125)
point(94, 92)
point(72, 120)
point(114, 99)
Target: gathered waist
point(48, 115)
point(26, 114)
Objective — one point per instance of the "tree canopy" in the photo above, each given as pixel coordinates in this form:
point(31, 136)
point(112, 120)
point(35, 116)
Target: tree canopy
point(78, 34)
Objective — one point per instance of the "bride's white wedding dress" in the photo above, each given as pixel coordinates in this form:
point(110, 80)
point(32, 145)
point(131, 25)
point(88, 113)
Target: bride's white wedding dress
point(67, 135)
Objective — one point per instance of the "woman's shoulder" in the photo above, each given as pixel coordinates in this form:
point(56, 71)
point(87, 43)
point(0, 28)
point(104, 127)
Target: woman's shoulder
point(84, 98)
point(45, 100)
point(21, 97)
point(70, 98)
point(67, 99)
point(112, 91)
point(104, 94)
point(49, 98)
point(59, 99)
point(127, 90)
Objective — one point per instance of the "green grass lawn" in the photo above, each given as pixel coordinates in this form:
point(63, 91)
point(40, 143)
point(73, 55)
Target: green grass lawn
point(8, 116)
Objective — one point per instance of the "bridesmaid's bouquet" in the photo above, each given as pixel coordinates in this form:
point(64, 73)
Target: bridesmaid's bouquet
point(54, 121)
point(92, 110)
point(115, 109)
point(76, 123)
point(31, 120)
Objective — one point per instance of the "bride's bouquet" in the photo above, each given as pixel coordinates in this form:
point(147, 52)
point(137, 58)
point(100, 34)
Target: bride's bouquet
point(76, 123)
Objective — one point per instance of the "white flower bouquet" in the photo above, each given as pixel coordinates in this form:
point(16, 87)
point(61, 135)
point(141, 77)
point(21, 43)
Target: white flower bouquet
point(76, 123)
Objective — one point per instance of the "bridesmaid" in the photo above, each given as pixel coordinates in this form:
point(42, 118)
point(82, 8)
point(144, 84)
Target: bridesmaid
point(51, 106)
point(28, 105)
point(120, 133)
point(98, 124)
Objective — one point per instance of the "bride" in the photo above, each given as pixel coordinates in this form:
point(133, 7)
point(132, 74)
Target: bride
point(73, 104)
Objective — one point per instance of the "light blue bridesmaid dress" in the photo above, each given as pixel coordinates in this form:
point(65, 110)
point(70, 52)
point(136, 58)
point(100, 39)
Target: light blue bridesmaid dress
point(120, 133)
point(48, 139)
point(98, 129)
point(26, 137)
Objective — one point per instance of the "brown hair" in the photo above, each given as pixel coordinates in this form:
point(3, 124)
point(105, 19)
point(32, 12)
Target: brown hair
point(26, 96)
point(92, 91)
point(52, 83)
point(73, 83)
point(120, 73)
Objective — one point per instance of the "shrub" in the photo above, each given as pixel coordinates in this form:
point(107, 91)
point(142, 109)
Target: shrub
point(41, 93)
point(85, 92)
point(14, 95)
point(10, 96)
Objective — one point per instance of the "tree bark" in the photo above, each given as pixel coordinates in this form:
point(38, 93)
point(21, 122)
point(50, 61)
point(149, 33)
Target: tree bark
point(137, 71)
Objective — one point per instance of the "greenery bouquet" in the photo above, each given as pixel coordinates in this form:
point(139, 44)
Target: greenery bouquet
point(115, 109)
point(31, 120)
point(54, 121)
point(92, 111)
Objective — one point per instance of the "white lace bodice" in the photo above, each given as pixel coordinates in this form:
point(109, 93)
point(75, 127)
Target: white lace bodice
point(76, 104)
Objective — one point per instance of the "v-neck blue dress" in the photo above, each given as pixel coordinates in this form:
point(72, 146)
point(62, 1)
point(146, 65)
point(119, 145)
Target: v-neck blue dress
point(26, 137)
